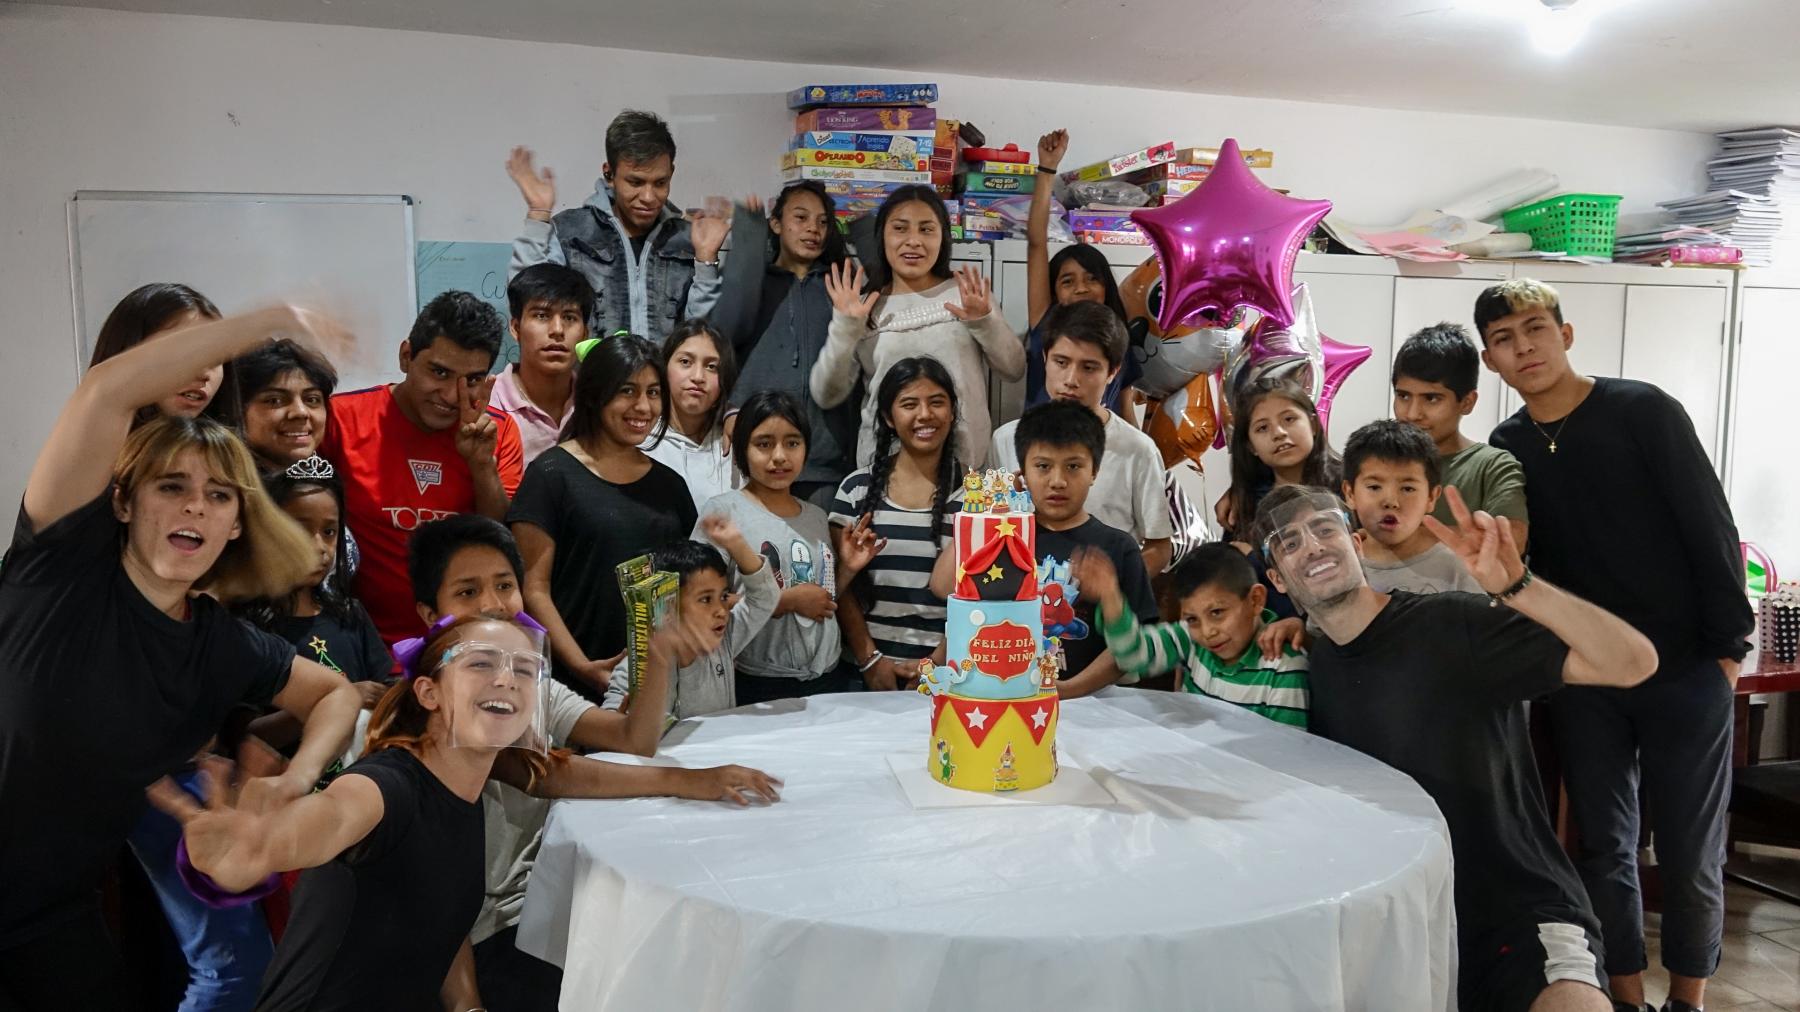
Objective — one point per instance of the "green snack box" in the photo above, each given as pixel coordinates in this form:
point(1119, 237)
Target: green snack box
point(997, 184)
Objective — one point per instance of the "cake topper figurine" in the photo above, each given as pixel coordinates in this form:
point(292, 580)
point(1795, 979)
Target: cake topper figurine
point(974, 493)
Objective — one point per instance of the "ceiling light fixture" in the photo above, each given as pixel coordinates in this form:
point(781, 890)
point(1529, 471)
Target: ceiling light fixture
point(1558, 26)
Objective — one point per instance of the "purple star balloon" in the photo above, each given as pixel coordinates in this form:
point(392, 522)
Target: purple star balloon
point(1230, 243)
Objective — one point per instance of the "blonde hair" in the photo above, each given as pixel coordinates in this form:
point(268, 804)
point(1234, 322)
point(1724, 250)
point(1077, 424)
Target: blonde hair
point(1520, 295)
point(271, 554)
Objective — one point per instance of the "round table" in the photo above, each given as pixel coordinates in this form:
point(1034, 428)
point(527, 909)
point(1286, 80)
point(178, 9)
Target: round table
point(1240, 865)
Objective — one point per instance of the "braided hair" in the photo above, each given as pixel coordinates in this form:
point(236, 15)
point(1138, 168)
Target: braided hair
point(881, 466)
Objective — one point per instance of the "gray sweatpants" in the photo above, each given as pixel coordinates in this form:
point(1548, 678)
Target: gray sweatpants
point(1672, 734)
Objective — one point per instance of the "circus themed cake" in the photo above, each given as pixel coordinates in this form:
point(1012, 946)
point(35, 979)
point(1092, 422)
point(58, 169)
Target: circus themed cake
point(993, 704)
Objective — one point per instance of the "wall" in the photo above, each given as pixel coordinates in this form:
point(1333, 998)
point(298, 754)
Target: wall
point(108, 100)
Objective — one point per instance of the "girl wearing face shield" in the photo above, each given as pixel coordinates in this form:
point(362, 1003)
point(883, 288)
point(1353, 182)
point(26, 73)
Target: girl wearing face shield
point(396, 840)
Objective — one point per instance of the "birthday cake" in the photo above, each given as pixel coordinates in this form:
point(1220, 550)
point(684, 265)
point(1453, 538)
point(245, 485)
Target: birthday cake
point(993, 704)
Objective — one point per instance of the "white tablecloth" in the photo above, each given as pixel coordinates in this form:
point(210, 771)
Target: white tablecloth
point(1243, 865)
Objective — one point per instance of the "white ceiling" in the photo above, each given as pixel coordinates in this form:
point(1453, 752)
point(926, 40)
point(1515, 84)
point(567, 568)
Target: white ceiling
point(1679, 64)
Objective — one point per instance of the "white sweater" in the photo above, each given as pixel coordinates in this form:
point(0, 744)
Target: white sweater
point(905, 325)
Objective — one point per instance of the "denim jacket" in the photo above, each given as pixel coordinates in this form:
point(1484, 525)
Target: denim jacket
point(648, 296)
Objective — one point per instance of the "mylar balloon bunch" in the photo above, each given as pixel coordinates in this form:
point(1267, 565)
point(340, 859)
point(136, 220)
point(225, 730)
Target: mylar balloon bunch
point(1228, 246)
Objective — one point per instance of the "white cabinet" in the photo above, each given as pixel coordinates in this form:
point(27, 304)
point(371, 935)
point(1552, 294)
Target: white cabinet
point(1765, 484)
point(1420, 302)
point(1596, 312)
point(1355, 309)
point(1675, 338)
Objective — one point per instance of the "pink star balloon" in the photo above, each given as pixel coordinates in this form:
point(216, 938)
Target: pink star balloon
point(1230, 243)
point(1339, 360)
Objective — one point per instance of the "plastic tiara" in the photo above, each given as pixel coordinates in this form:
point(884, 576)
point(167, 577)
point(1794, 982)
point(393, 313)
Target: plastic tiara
point(314, 466)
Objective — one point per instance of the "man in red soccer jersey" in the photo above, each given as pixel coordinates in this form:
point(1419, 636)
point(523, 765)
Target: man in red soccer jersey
point(423, 449)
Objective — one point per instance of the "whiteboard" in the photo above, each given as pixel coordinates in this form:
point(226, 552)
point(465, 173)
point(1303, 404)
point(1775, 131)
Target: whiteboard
point(350, 255)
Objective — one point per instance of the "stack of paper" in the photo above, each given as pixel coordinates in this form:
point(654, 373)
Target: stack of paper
point(1755, 192)
point(1683, 245)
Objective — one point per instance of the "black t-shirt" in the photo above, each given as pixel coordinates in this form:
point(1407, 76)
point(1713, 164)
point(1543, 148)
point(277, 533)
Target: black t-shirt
point(353, 648)
point(1432, 688)
point(1077, 627)
point(101, 694)
point(1631, 444)
point(597, 525)
point(378, 926)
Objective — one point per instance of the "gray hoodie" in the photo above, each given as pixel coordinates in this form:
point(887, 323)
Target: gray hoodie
point(709, 684)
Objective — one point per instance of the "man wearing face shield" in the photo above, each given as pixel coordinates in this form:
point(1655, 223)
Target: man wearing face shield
point(1431, 685)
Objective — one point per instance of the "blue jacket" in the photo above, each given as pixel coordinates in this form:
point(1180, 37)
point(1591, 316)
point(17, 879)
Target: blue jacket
point(646, 295)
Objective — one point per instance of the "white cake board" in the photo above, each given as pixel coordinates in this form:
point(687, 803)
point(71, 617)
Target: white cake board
point(1072, 786)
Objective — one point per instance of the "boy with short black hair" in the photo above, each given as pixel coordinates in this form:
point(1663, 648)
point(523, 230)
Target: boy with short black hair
point(1060, 445)
point(1214, 646)
point(707, 682)
point(1627, 510)
point(1391, 483)
point(427, 447)
point(470, 565)
point(649, 269)
point(1435, 375)
point(1085, 346)
point(550, 305)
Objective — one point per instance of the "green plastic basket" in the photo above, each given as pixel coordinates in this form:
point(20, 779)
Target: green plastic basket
point(1580, 224)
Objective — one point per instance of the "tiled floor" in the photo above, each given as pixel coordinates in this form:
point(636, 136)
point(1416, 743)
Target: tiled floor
point(1760, 968)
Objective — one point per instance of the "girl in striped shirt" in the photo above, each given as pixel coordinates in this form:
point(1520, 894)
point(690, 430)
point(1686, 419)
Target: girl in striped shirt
point(908, 497)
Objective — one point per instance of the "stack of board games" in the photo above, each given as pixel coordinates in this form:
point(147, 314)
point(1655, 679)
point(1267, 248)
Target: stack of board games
point(862, 141)
point(992, 175)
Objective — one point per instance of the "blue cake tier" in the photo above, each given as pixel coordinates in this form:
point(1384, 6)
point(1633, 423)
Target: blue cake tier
point(994, 649)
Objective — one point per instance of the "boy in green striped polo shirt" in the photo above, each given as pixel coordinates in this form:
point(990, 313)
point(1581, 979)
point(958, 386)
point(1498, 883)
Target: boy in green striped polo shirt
point(1215, 643)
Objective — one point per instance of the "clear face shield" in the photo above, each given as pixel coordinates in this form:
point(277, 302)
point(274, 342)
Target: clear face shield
point(492, 684)
point(1308, 541)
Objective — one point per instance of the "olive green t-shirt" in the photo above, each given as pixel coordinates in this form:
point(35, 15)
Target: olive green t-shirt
point(1489, 478)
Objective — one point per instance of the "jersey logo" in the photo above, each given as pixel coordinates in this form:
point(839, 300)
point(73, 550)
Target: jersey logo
point(426, 473)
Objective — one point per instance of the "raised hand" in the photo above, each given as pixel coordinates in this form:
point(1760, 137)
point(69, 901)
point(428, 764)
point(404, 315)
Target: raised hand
point(476, 432)
point(1484, 544)
point(1094, 574)
point(538, 188)
point(977, 295)
point(739, 785)
point(720, 529)
point(1051, 148)
point(707, 231)
point(225, 841)
point(754, 203)
point(844, 284)
point(314, 330)
point(858, 548)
